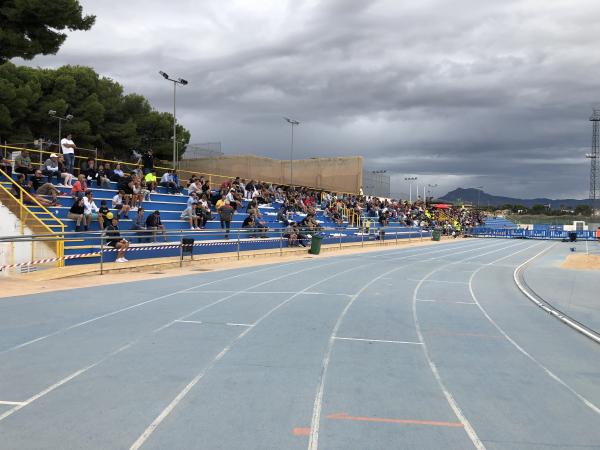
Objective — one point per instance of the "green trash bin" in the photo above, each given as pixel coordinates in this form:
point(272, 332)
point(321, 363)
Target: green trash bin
point(435, 235)
point(315, 244)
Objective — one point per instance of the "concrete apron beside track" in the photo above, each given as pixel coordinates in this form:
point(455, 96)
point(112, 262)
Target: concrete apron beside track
point(570, 296)
point(194, 369)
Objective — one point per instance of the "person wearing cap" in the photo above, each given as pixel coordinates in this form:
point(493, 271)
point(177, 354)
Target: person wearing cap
point(51, 168)
point(115, 240)
point(154, 223)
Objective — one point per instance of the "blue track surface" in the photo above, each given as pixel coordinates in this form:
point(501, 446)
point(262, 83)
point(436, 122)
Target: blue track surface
point(419, 348)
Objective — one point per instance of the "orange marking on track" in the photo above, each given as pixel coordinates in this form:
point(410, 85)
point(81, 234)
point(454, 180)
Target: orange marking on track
point(301, 431)
point(345, 416)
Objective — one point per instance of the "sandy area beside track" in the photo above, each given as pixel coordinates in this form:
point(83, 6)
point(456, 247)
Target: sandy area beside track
point(582, 262)
point(79, 276)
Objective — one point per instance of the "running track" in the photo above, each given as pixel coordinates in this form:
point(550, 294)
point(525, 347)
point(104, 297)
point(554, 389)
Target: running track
point(419, 348)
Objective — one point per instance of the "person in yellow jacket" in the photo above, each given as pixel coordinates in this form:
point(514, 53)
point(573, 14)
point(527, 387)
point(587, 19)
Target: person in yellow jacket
point(151, 181)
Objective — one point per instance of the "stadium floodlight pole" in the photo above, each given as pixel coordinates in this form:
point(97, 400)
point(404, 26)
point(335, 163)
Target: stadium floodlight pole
point(292, 122)
point(479, 188)
point(410, 180)
point(60, 119)
point(182, 82)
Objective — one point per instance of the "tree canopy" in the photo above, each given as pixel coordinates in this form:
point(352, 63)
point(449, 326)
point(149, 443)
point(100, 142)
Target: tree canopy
point(104, 117)
point(33, 27)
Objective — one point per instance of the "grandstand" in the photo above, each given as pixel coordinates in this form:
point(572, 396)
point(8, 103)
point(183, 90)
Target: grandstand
point(352, 229)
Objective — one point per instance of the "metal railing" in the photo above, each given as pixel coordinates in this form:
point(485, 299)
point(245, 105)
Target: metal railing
point(29, 219)
point(237, 241)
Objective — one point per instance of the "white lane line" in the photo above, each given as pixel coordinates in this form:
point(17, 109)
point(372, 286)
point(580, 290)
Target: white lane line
point(376, 340)
point(471, 433)
point(171, 406)
point(5, 402)
point(441, 281)
point(548, 372)
point(244, 291)
point(60, 383)
point(313, 443)
point(449, 302)
point(130, 344)
point(229, 324)
point(119, 350)
point(118, 311)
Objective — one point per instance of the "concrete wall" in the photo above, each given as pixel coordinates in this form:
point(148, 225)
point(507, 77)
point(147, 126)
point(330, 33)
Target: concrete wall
point(342, 174)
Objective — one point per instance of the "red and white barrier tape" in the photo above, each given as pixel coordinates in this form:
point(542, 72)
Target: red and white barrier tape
point(47, 260)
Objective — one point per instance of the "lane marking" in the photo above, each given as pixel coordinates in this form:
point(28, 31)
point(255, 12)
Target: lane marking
point(445, 301)
point(130, 344)
point(471, 433)
point(230, 324)
point(318, 404)
point(127, 308)
point(5, 402)
point(301, 431)
point(434, 423)
point(269, 292)
point(376, 340)
point(548, 372)
point(440, 281)
point(173, 404)
point(60, 383)
point(119, 350)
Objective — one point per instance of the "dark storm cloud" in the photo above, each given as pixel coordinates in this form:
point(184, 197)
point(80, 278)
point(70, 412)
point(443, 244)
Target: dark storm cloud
point(461, 93)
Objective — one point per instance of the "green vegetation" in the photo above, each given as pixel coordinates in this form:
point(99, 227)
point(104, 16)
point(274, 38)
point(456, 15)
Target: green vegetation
point(33, 27)
point(104, 117)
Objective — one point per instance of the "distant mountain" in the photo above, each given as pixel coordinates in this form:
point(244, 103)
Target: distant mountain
point(473, 196)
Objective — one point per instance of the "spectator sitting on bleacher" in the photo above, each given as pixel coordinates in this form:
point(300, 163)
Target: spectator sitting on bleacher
point(6, 166)
point(309, 223)
point(117, 173)
point(89, 170)
point(118, 203)
point(194, 186)
point(51, 168)
point(48, 190)
point(79, 187)
point(154, 223)
point(290, 234)
point(125, 185)
point(203, 211)
point(29, 196)
point(168, 181)
point(115, 240)
point(226, 212)
point(91, 210)
point(250, 224)
point(23, 163)
point(138, 194)
point(190, 211)
point(103, 177)
point(151, 180)
point(64, 174)
point(37, 179)
point(139, 225)
point(77, 213)
point(282, 215)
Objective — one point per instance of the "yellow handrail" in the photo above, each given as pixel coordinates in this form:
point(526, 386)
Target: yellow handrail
point(22, 206)
point(209, 175)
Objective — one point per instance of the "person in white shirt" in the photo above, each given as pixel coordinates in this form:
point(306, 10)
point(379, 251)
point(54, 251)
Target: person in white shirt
point(190, 212)
point(117, 203)
point(90, 211)
point(68, 148)
point(194, 187)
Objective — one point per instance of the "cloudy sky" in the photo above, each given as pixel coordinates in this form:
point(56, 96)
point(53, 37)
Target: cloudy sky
point(460, 93)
